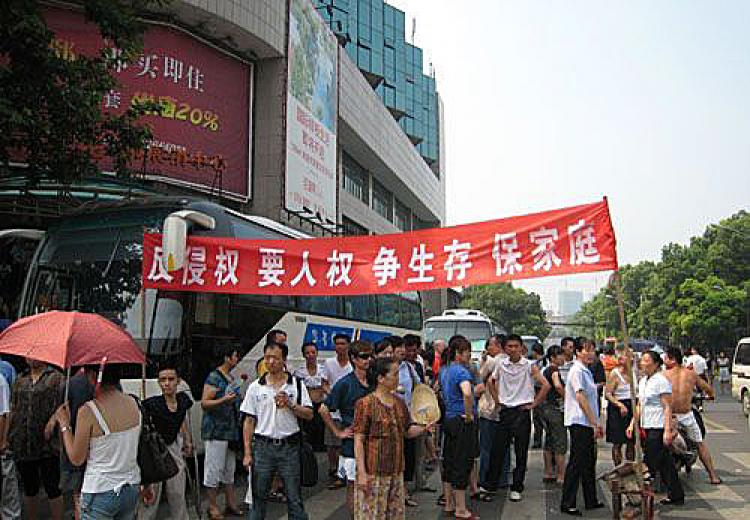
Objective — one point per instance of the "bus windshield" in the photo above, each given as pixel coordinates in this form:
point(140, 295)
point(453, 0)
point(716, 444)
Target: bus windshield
point(94, 265)
point(475, 331)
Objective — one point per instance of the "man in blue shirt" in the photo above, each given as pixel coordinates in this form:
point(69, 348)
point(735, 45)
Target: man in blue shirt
point(343, 398)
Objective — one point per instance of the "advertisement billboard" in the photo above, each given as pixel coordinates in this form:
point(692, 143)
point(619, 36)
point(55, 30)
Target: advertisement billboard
point(311, 113)
point(201, 134)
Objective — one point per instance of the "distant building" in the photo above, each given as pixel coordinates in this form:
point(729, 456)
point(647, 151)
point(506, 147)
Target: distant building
point(569, 302)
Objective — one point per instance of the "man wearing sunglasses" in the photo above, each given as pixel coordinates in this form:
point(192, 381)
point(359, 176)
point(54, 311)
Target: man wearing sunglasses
point(343, 398)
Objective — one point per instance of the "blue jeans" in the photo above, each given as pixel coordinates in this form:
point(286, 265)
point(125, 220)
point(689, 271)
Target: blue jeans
point(269, 459)
point(109, 505)
point(490, 473)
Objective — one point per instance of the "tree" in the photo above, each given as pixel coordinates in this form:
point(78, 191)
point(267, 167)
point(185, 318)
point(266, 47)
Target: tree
point(51, 114)
point(515, 309)
point(696, 294)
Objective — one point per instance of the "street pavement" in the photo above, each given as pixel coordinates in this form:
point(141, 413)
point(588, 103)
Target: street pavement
point(728, 438)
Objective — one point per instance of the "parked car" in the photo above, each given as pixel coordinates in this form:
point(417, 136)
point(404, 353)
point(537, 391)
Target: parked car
point(741, 374)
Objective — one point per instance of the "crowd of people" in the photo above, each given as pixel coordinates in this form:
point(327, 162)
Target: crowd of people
point(358, 406)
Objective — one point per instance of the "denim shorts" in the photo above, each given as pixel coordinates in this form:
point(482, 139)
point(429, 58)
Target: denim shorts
point(109, 505)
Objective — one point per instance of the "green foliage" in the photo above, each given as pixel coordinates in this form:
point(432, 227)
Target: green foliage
point(51, 105)
point(697, 294)
point(513, 308)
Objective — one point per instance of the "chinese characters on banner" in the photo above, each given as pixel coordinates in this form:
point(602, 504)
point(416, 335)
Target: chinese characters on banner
point(565, 241)
point(311, 113)
point(201, 134)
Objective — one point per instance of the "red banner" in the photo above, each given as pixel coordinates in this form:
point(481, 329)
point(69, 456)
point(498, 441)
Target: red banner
point(573, 240)
point(201, 136)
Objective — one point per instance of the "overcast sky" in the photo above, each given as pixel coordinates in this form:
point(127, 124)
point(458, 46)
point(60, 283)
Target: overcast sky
point(560, 102)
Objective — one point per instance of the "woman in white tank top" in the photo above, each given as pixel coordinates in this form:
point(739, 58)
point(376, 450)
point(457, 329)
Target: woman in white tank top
point(106, 440)
point(619, 411)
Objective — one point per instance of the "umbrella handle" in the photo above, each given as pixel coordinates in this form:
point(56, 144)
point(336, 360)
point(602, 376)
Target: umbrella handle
point(67, 385)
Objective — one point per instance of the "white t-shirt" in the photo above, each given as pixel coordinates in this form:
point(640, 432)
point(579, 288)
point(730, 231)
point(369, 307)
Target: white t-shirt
point(697, 362)
point(313, 382)
point(650, 390)
point(514, 382)
point(332, 371)
point(579, 379)
point(4, 396)
point(260, 403)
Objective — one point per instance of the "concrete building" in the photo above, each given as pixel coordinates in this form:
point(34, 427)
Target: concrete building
point(388, 171)
point(569, 302)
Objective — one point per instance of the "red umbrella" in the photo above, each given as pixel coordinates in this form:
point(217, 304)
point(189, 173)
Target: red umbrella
point(67, 339)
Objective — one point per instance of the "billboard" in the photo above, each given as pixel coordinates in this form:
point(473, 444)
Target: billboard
point(311, 113)
point(201, 135)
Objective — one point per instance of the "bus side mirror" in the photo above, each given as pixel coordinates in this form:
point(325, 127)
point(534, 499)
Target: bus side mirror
point(174, 235)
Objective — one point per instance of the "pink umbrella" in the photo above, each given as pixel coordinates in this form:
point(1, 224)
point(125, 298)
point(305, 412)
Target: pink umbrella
point(67, 339)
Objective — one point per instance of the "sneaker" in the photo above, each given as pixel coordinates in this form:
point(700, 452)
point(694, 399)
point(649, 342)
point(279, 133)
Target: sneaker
point(514, 496)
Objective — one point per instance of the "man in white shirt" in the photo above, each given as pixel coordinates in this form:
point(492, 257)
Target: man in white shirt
point(568, 347)
point(271, 435)
point(696, 362)
point(334, 369)
point(489, 446)
point(512, 387)
point(582, 421)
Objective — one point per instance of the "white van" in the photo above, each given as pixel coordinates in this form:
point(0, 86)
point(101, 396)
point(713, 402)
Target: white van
point(741, 374)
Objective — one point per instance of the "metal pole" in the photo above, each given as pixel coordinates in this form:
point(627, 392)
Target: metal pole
point(633, 397)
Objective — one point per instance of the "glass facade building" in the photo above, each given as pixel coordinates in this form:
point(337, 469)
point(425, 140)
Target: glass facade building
point(373, 35)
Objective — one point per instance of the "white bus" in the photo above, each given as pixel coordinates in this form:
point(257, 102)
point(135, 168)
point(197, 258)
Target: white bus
point(91, 261)
point(474, 325)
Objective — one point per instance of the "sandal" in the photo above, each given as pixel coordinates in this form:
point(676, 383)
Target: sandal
point(472, 516)
point(409, 501)
point(441, 500)
point(215, 515)
point(548, 480)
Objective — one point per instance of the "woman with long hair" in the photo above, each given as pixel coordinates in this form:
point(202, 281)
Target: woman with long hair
point(106, 440)
point(381, 423)
point(654, 414)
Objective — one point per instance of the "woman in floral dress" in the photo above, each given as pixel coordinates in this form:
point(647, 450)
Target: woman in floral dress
point(381, 422)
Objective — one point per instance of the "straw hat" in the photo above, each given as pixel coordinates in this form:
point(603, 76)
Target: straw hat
point(424, 405)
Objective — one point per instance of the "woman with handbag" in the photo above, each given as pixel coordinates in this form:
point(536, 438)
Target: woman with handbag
point(107, 434)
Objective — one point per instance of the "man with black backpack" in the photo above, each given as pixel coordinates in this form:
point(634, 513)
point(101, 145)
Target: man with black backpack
point(168, 414)
point(272, 438)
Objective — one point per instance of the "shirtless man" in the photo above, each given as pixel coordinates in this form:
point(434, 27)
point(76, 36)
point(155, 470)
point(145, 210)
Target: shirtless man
point(684, 381)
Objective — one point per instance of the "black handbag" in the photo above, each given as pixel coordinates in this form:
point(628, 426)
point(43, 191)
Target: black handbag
point(154, 459)
point(307, 461)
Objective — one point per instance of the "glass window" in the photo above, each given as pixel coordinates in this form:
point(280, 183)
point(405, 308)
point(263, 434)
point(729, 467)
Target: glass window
point(361, 308)
point(439, 330)
point(388, 309)
point(382, 200)
point(356, 181)
point(352, 228)
point(327, 305)
point(411, 311)
point(743, 354)
point(401, 216)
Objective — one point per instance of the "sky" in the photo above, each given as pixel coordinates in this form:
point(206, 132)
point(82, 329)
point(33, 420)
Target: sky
point(561, 102)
